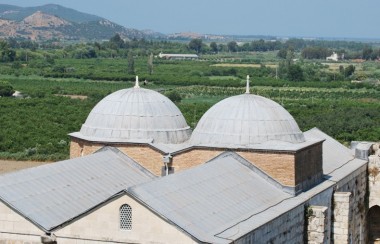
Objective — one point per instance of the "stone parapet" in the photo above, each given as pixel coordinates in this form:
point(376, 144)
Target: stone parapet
point(317, 225)
point(342, 216)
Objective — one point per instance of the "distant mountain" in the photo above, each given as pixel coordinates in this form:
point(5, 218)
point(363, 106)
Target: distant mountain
point(54, 21)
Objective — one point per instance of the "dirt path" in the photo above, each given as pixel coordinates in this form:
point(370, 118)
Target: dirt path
point(9, 166)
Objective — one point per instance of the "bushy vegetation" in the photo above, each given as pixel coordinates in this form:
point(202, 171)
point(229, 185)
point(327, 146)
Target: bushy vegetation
point(6, 89)
point(316, 93)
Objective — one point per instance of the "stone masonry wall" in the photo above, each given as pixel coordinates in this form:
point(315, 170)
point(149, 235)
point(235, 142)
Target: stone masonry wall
point(309, 166)
point(16, 229)
point(374, 176)
point(356, 184)
point(287, 228)
point(317, 224)
point(342, 217)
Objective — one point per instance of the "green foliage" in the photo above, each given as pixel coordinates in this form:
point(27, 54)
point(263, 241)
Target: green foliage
point(349, 70)
point(196, 45)
point(232, 46)
point(295, 73)
point(37, 128)
point(315, 53)
point(316, 94)
point(282, 53)
point(214, 47)
point(174, 96)
point(6, 89)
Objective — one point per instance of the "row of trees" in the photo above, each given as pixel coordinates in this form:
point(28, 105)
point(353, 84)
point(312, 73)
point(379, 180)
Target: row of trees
point(12, 50)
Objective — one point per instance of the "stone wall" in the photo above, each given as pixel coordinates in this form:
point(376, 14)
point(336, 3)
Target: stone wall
point(16, 229)
point(374, 176)
point(287, 228)
point(317, 224)
point(308, 166)
point(342, 218)
point(338, 218)
point(356, 184)
point(103, 225)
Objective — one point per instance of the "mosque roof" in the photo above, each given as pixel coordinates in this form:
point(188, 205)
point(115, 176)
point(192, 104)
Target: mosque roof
point(135, 115)
point(216, 202)
point(224, 199)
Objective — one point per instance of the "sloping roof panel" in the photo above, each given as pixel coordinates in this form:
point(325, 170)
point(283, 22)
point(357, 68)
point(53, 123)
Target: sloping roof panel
point(52, 194)
point(209, 198)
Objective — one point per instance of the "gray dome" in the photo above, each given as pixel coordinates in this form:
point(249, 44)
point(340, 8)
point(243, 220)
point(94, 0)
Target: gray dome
point(135, 115)
point(246, 119)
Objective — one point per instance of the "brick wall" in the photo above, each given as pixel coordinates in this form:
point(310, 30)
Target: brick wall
point(279, 166)
point(193, 158)
point(143, 154)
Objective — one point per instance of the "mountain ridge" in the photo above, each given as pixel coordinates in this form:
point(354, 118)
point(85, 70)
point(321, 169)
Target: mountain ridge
point(55, 21)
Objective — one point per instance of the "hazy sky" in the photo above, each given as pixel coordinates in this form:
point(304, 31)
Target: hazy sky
point(306, 18)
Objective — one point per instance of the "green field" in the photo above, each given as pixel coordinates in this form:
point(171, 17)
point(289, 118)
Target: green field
point(323, 96)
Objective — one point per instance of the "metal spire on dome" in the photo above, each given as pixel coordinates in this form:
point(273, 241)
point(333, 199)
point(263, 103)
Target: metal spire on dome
point(247, 88)
point(137, 82)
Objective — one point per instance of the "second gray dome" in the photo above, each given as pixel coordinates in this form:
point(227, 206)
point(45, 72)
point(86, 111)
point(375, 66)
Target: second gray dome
point(244, 120)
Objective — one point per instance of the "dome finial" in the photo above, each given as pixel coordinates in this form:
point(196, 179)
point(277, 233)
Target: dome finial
point(247, 88)
point(137, 82)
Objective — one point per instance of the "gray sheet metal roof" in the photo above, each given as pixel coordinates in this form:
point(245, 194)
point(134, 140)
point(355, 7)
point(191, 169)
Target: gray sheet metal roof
point(222, 200)
point(209, 198)
point(135, 114)
point(338, 163)
point(53, 194)
point(246, 119)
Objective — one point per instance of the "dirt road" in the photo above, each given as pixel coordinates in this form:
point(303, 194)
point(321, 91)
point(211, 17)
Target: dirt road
point(9, 166)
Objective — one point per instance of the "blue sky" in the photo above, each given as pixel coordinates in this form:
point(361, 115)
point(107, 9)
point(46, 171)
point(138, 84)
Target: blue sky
point(303, 18)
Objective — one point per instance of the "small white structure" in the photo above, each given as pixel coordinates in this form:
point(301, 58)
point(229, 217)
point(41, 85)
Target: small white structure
point(178, 56)
point(18, 94)
point(333, 57)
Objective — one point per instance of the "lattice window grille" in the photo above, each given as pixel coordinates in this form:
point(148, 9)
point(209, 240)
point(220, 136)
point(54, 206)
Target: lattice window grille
point(126, 217)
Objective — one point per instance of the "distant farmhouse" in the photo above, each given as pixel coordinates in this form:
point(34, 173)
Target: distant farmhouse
point(178, 56)
point(333, 57)
point(245, 174)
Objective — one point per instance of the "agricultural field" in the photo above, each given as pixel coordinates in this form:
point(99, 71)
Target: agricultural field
point(10, 166)
point(60, 92)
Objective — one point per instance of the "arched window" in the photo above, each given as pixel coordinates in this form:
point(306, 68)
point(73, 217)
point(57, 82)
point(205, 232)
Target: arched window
point(125, 217)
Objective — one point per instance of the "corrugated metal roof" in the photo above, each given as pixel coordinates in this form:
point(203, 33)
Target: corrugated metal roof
point(52, 194)
point(210, 198)
point(135, 114)
point(246, 119)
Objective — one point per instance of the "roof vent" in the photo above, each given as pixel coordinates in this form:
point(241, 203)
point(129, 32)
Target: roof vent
point(363, 150)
